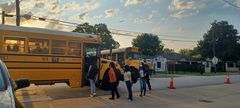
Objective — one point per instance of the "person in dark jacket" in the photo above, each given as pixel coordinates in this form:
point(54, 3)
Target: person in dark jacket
point(93, 74)
point(147, 77)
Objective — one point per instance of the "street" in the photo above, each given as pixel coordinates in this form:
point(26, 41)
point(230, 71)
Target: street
point(190, 92)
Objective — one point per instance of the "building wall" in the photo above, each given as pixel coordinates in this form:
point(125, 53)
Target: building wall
point(207, 66)
point(159, 64)
point(232, 68)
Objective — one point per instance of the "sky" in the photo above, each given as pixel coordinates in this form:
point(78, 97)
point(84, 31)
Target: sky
point(178, 23)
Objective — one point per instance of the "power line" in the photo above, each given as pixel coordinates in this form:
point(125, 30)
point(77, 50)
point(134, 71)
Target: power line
point(180, 40)
point(231, 4)
point(161, 35)
point(129, 33)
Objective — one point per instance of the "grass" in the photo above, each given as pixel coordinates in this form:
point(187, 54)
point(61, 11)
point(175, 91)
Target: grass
point(179, 74)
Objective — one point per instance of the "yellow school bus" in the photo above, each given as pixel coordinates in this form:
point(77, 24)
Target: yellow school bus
point(48, 56)
point(130, 56)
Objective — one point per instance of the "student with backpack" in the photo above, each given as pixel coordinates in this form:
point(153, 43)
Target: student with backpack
point(128, 81)
point(113, 81)
point(92, 74)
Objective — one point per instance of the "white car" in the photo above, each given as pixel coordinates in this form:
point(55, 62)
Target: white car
point(7, 88)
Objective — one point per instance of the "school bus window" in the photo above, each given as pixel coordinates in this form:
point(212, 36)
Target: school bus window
point(58, 47)
point(114, 57)
point(74, 48)
point(38, 46)
point(14, 44)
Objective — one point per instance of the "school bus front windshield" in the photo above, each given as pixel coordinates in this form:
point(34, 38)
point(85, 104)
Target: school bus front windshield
point(134, 56)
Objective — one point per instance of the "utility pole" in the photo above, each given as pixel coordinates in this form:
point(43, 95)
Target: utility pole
point(17, 13)
point(214, 40)
point(3, 17)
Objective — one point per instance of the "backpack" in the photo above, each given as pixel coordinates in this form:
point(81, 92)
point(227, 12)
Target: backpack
point(134, 74)
point(112, 76)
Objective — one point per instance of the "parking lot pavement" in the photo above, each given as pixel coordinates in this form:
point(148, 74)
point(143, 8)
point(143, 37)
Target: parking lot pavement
point(61, 96)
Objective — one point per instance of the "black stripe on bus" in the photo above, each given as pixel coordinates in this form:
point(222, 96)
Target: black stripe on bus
point(9, 54)
point(40, 68)
point(43, 62)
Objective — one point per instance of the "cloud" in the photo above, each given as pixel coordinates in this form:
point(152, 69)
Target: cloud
point(137, 2)
point(39, 5)
point(180, 29)
point(149, 19)
point(88, 6)
point(8, 7)
point(83, 16)
point(71, 6)
point(184, 13)
point(111, 12)
point(185, 8)
point(132, 2)
point(183, 4)
point(80, 18)
point(156, 30)
point(237, 2)
point(98, 17)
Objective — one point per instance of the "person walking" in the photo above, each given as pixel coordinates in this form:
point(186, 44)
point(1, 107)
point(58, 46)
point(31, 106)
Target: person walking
point(113, 80)
point(147, 71)
point(142, 81)
point(128, 81)
point(92, 74)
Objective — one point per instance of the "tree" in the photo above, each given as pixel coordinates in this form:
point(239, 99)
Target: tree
point(222, 41)
point(99, 29)
point(149, 44)
point(168, 50)
point(193, 53)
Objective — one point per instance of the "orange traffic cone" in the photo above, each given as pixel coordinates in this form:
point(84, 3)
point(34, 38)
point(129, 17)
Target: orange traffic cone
point(228, 81)
point(171, 84)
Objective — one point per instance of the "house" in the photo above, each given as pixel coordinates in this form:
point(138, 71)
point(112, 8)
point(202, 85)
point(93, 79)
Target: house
point(159, 64)
point(179, 62)
point(220, 66)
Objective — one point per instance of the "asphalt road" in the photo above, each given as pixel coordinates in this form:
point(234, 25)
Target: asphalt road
point(200, 90)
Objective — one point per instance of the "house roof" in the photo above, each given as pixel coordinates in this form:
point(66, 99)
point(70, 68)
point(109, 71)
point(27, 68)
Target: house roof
point(176, 57)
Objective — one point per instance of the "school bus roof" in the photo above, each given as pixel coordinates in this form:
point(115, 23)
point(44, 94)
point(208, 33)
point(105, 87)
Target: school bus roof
point(115, 50)
point(45, 31)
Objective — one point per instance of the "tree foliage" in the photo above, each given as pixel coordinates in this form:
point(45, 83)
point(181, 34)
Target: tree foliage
point(193, 53)
point(168, 50)
point(101, 30)
point(224, 39)
point(149, 44)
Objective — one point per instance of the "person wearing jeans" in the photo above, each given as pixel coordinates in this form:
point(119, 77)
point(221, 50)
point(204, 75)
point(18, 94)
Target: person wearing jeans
point(128, 81)
point(142, 81)
point(92, 73)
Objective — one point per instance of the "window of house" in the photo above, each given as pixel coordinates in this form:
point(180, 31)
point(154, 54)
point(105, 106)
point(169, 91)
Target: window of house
point(38, 46)
point(14, 44)
point(74, 48)
point(158, 64)
point(58, 47)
